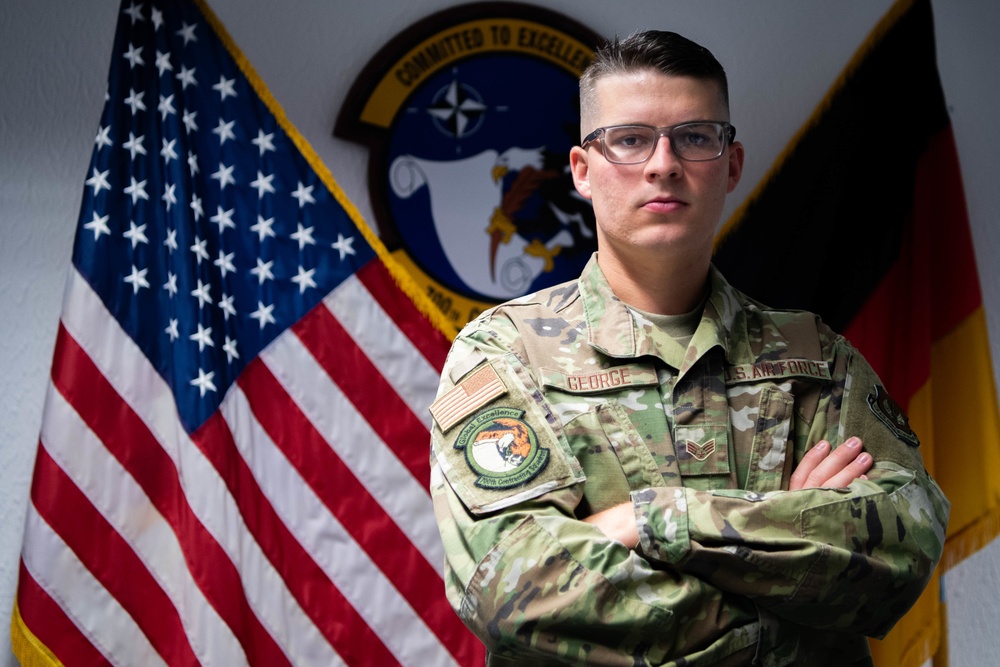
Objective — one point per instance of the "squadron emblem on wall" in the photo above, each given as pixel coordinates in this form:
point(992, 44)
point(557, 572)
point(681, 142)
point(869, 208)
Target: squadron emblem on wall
point(470, 115)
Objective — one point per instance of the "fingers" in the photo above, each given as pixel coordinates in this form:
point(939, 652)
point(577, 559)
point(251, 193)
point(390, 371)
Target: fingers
point(821, 467)
point(855, 464)
point(808, 464)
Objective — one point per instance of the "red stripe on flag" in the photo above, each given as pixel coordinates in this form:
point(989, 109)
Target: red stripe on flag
point(896, 326)
point(319, 597)
point(432, 344)
point(939, 206)
point(360, 514)
point(891, 328)
point(49, 623)
point(128, 439)
point(370, 393)
point(109, 558)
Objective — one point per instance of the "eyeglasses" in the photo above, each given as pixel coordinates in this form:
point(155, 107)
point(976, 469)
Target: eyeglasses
point(697, 141)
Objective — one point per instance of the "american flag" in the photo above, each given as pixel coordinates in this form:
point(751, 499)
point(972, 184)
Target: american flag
point(233, 460)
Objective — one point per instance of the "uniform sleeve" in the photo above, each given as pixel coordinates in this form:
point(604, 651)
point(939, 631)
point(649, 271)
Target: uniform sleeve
point(852, 559)
point(521, 571)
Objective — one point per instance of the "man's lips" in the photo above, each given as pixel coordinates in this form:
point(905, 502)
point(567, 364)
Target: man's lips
point(664, 204)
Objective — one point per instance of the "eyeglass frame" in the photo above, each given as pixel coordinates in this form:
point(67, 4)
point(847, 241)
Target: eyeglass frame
point(666, 130)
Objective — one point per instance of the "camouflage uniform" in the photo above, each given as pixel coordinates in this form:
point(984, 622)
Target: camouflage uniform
point(566, 402)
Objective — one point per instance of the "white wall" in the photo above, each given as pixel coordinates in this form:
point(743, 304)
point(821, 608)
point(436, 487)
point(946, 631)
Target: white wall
point(781, 56)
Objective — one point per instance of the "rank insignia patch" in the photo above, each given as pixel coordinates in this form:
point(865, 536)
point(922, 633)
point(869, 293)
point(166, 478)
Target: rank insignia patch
point(890, 414)
point(700, 452)
point(502, 449)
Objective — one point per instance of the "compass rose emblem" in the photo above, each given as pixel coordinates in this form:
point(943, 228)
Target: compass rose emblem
point(457, 110)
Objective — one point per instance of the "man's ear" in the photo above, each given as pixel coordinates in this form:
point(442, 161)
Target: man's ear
point(735, 165)
point(581, 171)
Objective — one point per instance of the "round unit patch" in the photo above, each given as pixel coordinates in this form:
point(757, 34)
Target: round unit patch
point(890, 414)
point(501, 448)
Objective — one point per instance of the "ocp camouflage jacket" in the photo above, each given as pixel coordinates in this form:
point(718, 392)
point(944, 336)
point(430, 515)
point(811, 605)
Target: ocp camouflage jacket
point(566, 402)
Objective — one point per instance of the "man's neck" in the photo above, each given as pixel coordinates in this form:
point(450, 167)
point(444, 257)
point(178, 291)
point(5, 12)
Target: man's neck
point(657, 284)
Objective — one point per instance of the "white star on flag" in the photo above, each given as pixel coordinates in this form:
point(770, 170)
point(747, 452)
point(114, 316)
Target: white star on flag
point(136, 190)
point(134, 57)
point(137, 279)
point(303, 193)
point(168, 196)
point(136, 234)
point(99, 180)
point(163, 63)
point(225, 88)
point(264, 141)
point(224, 130)
point(304, 279)
point(134, 145)
point(166, 106)
point(224, 175)
point(99, 225)
point(134, 101)
point(204, 381)
point(263, 184)
point(264, 228)
point(203, 337)
point(263, 314)
point(186, 77)
point(343, 245)
point(167, 152)
point(304, 235)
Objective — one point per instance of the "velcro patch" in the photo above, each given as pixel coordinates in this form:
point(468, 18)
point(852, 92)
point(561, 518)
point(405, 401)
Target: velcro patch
point(467, 396)
point(603, 380)
point(780, 368)
point(890, 414)
point(502, 449)
point(700, 452)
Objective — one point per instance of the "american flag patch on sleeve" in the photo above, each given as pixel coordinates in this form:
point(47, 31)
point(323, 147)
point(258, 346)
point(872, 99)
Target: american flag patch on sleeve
point(471, 393)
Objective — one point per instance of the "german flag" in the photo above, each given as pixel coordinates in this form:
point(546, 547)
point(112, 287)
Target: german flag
point(863, 220)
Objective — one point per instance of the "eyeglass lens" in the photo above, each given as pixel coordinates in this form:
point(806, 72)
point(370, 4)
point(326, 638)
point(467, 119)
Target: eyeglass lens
point(691, 141)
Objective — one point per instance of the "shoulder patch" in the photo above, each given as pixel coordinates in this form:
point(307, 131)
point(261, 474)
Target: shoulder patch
point(890, 414)
point(467, 396)
point(501, 448)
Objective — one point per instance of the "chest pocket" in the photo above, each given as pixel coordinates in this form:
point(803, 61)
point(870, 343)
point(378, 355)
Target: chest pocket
point(596, 410)
point(769, 461)
point(700, 413)
point(763, 401)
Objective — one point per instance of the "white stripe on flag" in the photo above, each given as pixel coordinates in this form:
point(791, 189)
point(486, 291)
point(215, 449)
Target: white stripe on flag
point(388, 348)
point(129, 371)
point(375, 465)
point(116, 495)
point(332, 548)
point(84, 600)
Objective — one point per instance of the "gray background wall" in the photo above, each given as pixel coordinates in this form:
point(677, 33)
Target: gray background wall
point(781, 56)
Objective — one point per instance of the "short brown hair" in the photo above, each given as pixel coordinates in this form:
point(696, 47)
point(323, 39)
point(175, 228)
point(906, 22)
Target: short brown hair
point(665, 52)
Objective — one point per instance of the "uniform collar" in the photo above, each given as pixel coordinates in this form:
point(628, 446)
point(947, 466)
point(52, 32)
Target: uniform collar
point(616, 331)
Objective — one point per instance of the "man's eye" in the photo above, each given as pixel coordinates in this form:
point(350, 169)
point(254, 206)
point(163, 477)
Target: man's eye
point(695, 139)
point(629, 141)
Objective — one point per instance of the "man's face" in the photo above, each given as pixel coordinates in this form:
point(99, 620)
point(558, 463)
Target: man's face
point(667, 202)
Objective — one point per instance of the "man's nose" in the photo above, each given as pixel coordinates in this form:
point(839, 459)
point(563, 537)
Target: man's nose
point(663, 161)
